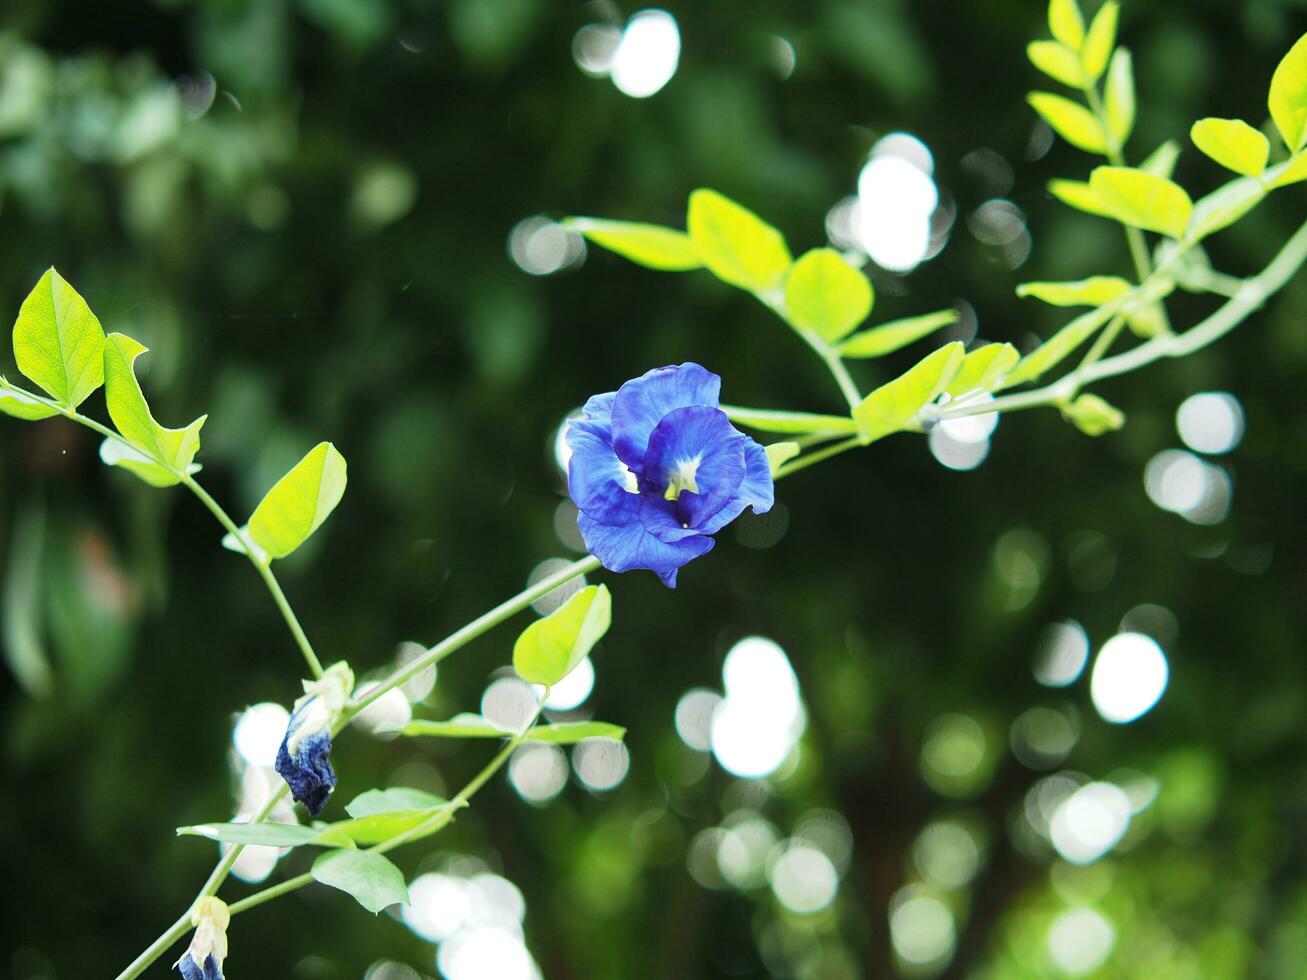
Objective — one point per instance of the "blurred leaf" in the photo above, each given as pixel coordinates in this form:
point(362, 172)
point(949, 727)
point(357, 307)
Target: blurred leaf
point(1161, 162)
point(1120, 96)
point(788, 423)
point(1057, 61)
point(651, 246)
point(1093, 416)
point(892, 405)
point(20, 406)
point(1077, 194)
point(570, 732)
point(549, 648)
point(256, 834)
point(1290, 172)
point(24, 649)
point(780, 453)
point(1142, 200)
point(735, 244)
point(892, 336)
point(299, 502)
point(1062, 343)
point(826, 295)
point(1099, 40)
point(1070, 120)
point(1287, 98)
point(1066, 23)
point(172, 449)
point(1147, 321)
point(1094, 291)
point(58, 342)
point(1233, 144)
point(466, 725)
point(372, 880)
point(983, 368)
point(1224, 206)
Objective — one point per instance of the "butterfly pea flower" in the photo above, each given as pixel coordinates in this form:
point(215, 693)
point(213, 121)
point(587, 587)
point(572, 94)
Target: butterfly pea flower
point(657, 469)
point(203, 958)
point(304, 758)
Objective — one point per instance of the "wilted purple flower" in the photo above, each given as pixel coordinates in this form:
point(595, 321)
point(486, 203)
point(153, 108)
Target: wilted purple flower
point(203, 958)
point(304, 758)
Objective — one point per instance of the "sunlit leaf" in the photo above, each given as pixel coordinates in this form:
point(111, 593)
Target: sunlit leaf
point(299, 502)
point(114, 453)
point(788, 423)
point(20, 406)
point(1287, 99)
point(549, 648)
point(1289, 172)
point(380, 814)
point(1161, 162)
point(58, 342)
point(735, 244)
point(1233, 144)
point(1093, 291)
point(1057, 347)
point(780, 453)
point(1119, 96)
point(465, 725)
point(1142, 200)
point(889, 337)
point(1099, 40)
point(652, 246)
point(392, 800)
point(372, 880)
point(570, 732)
point(891, 406)
point(1093, 416)
point(254, 834)
point(1077, 194)
point(1057, 61)
point(983, 367)
point(826, 295)
point(1224, 206)
point(1066, 23)
point(1070, 120)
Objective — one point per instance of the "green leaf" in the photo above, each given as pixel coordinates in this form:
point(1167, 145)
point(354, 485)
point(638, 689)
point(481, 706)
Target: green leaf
point(735, 244)
point(1057, 61)
point(114, 453)
point(20, 406)
point(172, 449)
point(889, 337)
point(1120, 96)
point(380, 814)
point(372, 880)
point(1077, 194)
point(549, 648)
point(1099, 40)
point(1161, 162)
point(1290, 172)
point(652, 246)
point(788, 423)
point(58, 342)
point(982, 368)
point(570, 732)
point(1147, 321)
point(780, 453)
point(826, 295)
point(1066, 23)
point(1093, 416)
point(1057, 347)
point(397, 798)
point(1070, 120)
point(891, 406)
point(464, 725)
point(1094, 291)
point(1233, 144)
point(1287, 99)
point(1224, 206)
point(259, 834)
point(299, 502)
point(1140, 199)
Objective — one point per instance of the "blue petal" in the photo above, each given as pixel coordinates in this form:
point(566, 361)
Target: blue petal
point(599, 408)
point(308, 772)
point(621, 548)
point(756, 490)
point(702, 437)
point(191, 970)
point(596, 478)
point(641, 404)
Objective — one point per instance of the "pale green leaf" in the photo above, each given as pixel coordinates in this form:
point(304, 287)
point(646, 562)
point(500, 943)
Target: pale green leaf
point(395, 799)
point(172, 449)
point(570, 732)
point(1290, 172)
point(1057, 61)
point(889, 337)
point(826, 295)
point(1077, 194)
point(380, 814)
point(735, 244)
point(1233, 144)
point(1224, 206)
point(652, 246)
point(780, 453)
point(1161, 162)
point(58, 342)
point(464, 725)
point(244, 545)
point(20, 406)
point(256, 834)
point(1093, 416)
point(1099, 40)
point(114, 453)
point(299, 502)
point(788, 423)
point(983, 368)
point(1119, 96)
point(1070, 120)
point(1066, 23)
point(1057, 347)
point(1142, 200)
point(1287, 99)
point(372, 880)
point(549, 648)
point(1147, 321)
point(1094, 291)
point(892, 406)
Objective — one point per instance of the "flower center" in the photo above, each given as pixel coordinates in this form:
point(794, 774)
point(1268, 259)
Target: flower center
point(682, 478)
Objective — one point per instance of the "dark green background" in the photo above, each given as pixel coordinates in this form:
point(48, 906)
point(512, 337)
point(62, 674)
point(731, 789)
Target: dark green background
point(237, 248)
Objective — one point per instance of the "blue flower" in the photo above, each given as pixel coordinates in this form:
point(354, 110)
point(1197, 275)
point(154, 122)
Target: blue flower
point(657, 469)
point(203, 958)
point(304, 758)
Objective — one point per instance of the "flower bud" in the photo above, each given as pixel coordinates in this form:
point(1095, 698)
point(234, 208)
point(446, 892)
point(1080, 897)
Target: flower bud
point(304, 757)
point(203, 958)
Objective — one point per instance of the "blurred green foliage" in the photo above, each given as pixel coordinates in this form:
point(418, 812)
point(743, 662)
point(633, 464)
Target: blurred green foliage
point(303, 209)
